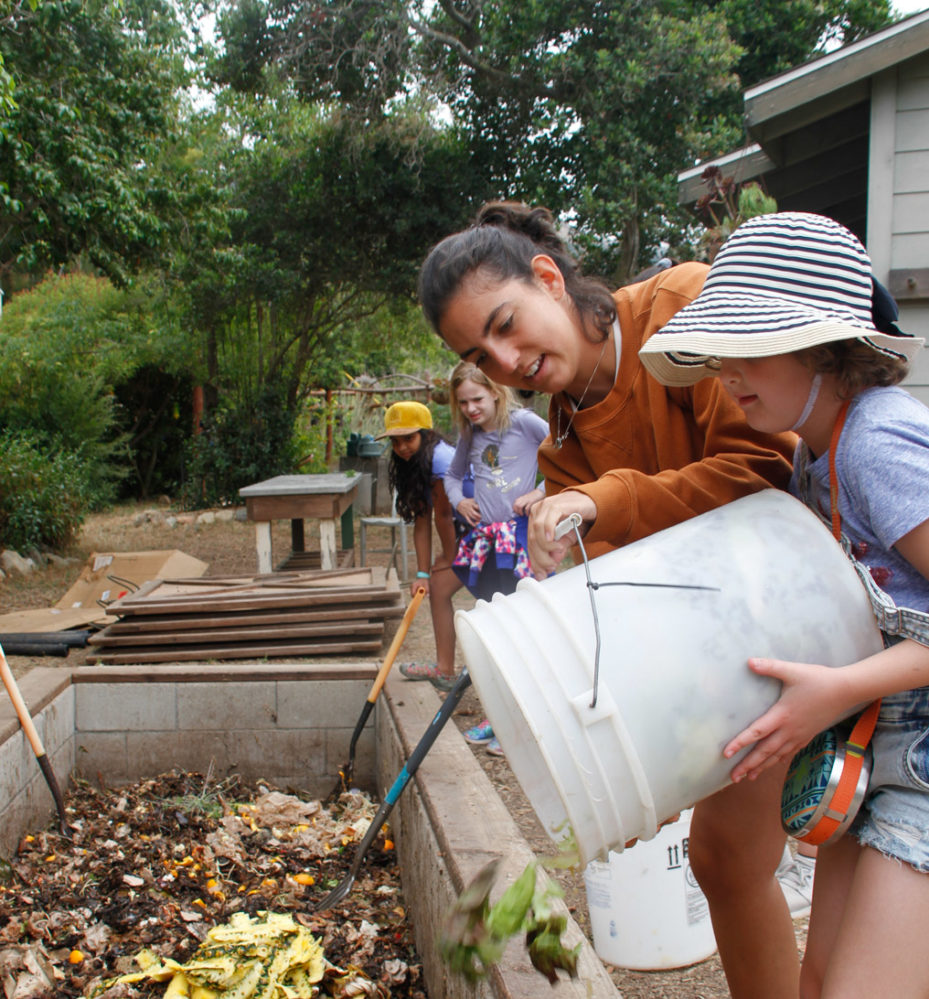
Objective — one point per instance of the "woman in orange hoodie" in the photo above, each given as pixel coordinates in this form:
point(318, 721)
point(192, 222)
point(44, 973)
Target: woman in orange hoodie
point(631, 457)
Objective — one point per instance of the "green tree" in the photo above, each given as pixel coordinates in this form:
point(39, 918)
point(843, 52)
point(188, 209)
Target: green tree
point(326, 225)
point(319, 227)
point(589, 107)
point(74, 353)
point(95, 101)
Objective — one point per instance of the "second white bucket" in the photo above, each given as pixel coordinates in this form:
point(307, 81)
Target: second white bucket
point(674, 684)
point(647, 911)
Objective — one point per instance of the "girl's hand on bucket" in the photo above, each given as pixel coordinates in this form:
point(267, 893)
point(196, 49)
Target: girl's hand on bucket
point(545, 553)
point(808, 704)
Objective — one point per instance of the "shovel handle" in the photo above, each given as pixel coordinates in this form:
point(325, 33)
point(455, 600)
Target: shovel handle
point(405, 623)
point(22, 712)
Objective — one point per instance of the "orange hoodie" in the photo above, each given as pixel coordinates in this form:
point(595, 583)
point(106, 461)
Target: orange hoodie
point(651, 456)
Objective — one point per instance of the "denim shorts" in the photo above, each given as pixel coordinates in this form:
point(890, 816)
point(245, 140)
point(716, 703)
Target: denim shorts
point(894, 818)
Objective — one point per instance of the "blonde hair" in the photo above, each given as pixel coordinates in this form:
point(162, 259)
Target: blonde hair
point(465, 371)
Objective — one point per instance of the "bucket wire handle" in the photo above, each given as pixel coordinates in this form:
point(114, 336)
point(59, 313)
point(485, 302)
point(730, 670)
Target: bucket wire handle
point(573, 523)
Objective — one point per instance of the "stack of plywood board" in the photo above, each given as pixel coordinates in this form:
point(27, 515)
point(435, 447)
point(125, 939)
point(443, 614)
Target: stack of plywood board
point(282, 614)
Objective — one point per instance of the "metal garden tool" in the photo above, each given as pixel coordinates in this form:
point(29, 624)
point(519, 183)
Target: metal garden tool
point(22, 712)
point(396, 789)
point(345, 773)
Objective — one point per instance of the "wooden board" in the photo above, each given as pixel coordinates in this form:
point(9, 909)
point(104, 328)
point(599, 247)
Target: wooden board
point(261, 592)
point(248, 651)
point(261, 618)
point(300, 613)
point(210, 636)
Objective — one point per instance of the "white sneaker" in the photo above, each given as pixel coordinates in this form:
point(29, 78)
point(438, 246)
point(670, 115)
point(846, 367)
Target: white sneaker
point(795, 875)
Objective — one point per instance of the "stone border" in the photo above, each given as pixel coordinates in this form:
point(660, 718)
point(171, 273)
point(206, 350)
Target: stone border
point(448, 823)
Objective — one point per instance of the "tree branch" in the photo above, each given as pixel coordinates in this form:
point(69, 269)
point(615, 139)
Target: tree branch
point(467, 56)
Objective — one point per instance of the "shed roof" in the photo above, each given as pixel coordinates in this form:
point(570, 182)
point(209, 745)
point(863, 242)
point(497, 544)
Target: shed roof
point(810, 127)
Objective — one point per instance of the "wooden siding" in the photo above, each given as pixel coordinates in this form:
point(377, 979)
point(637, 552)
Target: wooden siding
point(910, 214)
point(914, 318)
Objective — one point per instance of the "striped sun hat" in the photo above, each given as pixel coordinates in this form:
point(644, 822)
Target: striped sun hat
point(780, 283)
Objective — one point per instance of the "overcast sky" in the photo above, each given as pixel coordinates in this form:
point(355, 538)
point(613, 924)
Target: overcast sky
point(910, 6)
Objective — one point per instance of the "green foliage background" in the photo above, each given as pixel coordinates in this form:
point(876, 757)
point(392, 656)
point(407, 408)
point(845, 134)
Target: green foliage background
point(261, 243)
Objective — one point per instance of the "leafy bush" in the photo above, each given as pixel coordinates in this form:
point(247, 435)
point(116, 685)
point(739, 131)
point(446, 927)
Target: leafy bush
point(71, 350)
point(239, 444)
point(44, 493)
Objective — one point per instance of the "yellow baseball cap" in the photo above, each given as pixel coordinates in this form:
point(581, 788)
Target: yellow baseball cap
point(404, 418)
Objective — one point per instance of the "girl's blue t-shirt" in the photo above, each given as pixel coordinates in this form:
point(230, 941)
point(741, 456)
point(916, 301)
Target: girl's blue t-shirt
point(882, 464)
point(441, 459)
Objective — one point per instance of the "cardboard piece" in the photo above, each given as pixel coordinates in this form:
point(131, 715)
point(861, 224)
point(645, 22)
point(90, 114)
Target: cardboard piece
point(53, 619)
point(109, 575)
point(105, 577)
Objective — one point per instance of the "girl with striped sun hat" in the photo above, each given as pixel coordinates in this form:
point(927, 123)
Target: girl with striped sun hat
point(801, 335)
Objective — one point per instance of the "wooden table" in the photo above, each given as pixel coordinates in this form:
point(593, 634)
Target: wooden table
point(326, 498)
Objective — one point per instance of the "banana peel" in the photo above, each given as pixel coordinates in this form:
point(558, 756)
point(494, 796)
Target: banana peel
point(267, 957)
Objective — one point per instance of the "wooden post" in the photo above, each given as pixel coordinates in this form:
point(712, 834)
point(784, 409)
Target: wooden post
point(263, 545)
point(327, 550)
point(329, 418)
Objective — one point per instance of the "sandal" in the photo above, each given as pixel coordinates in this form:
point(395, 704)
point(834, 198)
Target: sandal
point(430, 672)
point(419, 671)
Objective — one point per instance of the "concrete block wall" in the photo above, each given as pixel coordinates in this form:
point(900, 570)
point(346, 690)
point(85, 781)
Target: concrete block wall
point(24, 795)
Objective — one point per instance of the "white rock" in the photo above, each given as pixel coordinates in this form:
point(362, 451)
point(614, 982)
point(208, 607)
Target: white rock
point(60, 562)
point(12, 561)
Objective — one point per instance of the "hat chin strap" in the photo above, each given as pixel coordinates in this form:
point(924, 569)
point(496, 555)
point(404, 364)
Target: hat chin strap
point(810, 401)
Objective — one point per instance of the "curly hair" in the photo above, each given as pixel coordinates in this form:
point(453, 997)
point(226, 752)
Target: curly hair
point(855, 365)
point(503, 240)
point(411, 481)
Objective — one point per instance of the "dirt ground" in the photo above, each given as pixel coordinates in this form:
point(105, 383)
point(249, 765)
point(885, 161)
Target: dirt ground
point(229, 548)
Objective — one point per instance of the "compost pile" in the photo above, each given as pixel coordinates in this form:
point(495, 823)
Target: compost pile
point(156, 865)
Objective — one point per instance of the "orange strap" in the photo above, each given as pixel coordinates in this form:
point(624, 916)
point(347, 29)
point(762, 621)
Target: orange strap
point(838, 805)
point(833, 478)
point(864, 728)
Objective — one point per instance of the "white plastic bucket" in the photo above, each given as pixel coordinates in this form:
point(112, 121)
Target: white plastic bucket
point(674, 684)
point(647, 911)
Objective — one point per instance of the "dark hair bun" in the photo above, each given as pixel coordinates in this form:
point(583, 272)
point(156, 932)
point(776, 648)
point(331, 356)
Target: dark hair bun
point(536, 222)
